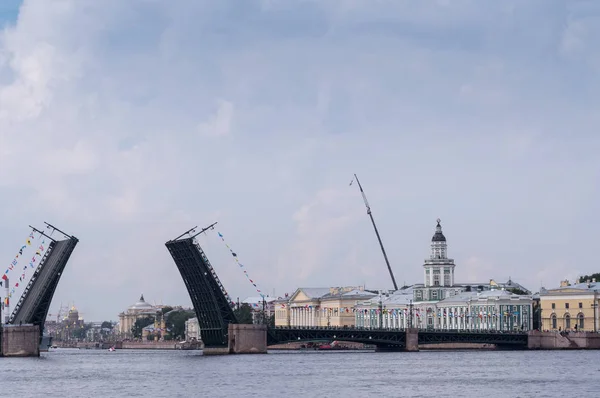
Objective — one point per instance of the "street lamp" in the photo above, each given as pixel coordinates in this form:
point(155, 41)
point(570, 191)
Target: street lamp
point(594, 306)
point(380, 312)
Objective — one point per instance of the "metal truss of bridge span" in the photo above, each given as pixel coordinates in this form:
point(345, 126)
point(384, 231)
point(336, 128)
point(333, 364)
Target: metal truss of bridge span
point(378, 337)
point(34, 303)
point(212, 304)
point(395, 338)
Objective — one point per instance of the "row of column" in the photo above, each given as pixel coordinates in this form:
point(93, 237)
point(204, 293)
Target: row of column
point(500, 317)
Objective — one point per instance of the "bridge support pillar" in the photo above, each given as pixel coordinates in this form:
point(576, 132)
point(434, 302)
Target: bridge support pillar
point(247, 339)
point(20, 341)
point(412, 339)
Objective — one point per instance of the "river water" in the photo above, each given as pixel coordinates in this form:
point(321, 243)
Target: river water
point(136, 373)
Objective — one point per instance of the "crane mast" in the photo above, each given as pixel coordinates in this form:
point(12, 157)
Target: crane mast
point(376, 231)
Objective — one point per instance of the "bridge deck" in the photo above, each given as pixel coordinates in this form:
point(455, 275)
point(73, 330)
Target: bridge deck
point(209, 298)
point(394, 337)
point(32, 307)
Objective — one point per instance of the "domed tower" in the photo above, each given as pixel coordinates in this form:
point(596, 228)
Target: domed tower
point(438, 243)
point(73, 316)
point(439, 269)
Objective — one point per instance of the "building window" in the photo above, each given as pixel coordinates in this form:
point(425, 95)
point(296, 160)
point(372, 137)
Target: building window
point(567, 322)
point(580, 305)
point(447, 279)
point(553, 321)
point(581, 320)
point(553, 305)
point(567, 305)
point(436, 278)
point(434, 294)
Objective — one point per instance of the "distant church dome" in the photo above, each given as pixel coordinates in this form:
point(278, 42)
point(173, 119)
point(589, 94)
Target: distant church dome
point(141, 305)
point(438, 236)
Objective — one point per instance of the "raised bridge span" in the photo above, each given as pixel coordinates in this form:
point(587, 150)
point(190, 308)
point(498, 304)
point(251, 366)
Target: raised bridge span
point(34, 303)
point(214, 309)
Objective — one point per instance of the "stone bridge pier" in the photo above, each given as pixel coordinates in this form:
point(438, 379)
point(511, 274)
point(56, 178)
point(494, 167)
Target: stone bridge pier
point(243, 339)
point(20, 341)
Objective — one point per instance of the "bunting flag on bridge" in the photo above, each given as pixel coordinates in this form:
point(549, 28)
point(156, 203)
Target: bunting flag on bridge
point(242, 267)
point(15, 261)
point(22, 277)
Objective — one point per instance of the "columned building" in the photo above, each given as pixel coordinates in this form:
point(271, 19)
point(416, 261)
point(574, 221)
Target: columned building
point(440, 303)
point(438, 271)
point(141, 309)
point(320, 307)
point(487, 310)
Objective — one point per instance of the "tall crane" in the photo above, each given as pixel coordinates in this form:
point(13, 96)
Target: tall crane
point(376, 231)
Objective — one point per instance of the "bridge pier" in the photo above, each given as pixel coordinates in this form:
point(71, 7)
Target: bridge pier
point(411, 343)
point(243, 339)
point(20, 341)
point(247, 339)
point(412, 339)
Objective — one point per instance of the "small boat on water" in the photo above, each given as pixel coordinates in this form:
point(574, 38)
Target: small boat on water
point(111, 349)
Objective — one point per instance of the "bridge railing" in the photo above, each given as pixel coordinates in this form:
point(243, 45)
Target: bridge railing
point(470, 331)
point(213, 273)
point(35, 275)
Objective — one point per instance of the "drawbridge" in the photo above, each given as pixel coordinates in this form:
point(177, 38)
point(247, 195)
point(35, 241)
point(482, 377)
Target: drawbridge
point(212, 304)
point(34, 303)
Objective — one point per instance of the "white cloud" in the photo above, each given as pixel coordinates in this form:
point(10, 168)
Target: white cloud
point(109, 133)
point(220, 124)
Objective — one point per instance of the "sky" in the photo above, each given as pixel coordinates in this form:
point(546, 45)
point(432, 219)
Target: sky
point(127, 123)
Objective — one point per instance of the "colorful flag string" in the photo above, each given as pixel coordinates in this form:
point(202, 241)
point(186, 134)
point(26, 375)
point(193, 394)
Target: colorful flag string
point(32, 263)
point(15, 261)
point(242, 267)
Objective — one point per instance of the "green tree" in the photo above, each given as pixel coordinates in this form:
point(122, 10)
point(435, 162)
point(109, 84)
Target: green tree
point(516, 290)
point(176, 322)
point(139, 325)
point(243, 314)
point(585, 278)
point(106, 325)
point(166, 309)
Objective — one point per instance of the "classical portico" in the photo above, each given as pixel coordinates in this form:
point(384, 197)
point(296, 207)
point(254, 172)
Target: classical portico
point(140, 309)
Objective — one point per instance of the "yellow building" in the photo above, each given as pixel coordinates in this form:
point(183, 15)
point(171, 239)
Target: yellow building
point(571, 307)
point(310, 307)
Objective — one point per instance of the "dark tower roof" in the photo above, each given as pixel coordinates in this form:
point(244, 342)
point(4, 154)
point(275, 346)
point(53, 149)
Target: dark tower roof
point(438, 236)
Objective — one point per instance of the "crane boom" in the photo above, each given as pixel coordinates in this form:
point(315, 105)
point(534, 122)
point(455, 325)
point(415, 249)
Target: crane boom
point(376, 232)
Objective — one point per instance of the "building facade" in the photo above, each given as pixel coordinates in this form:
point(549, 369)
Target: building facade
point(438, 303)
point(320, 307)
point(438, 270)
point(571, 307)
point(141, 309)
point(487, 310)
point(192, 330)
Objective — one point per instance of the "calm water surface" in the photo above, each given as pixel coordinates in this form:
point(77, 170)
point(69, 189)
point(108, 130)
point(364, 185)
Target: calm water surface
point(91, 373)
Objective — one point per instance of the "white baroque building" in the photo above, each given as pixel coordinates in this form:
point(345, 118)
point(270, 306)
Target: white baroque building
point(440, 303)
point(438, 271)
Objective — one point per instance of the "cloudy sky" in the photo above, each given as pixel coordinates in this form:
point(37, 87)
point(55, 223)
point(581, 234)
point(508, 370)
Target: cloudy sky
point(125, 123)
